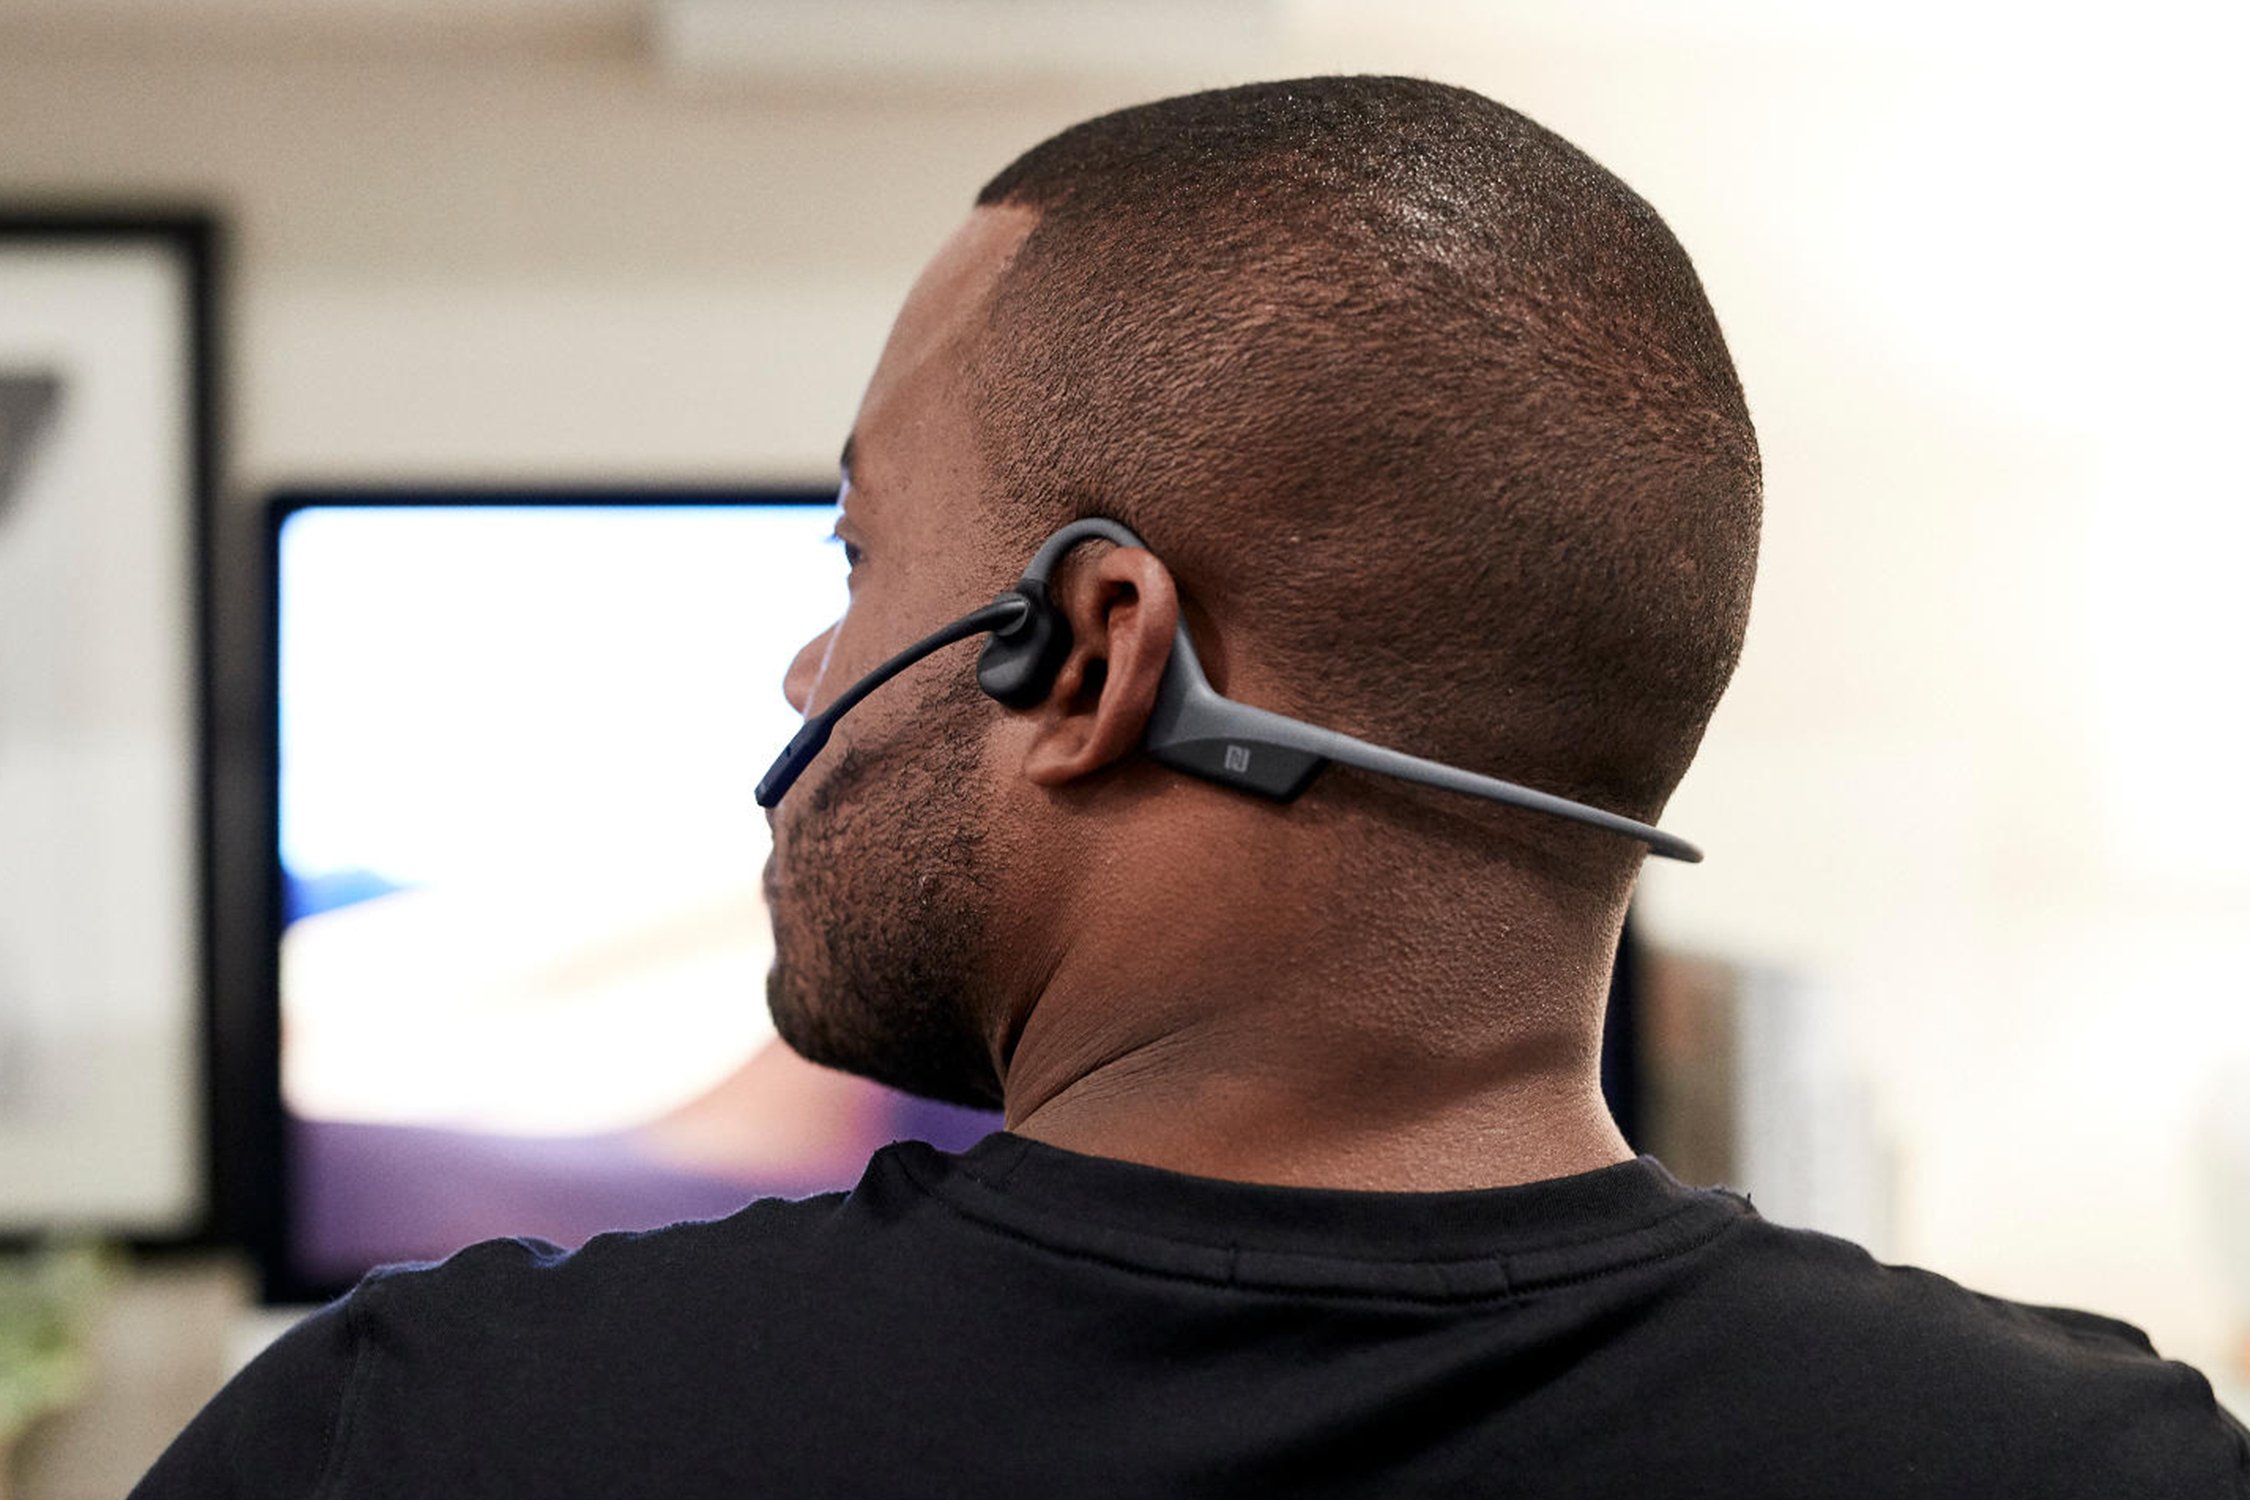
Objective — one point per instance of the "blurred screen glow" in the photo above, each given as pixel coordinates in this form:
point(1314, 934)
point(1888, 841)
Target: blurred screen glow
point(524, 950)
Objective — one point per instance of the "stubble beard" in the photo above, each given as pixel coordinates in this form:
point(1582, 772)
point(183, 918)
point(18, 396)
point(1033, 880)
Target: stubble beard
point(882, 912)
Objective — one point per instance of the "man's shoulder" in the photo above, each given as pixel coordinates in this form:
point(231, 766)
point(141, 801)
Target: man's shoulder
point(1827, 1287)
point(431, 1372)
point(618, 1280)
point(1863, 1342)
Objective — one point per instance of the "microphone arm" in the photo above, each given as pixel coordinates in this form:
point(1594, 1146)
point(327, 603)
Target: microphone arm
point(1003, 613)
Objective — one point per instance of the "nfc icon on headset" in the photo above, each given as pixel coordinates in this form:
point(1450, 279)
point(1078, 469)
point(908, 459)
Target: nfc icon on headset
point(1030, 638)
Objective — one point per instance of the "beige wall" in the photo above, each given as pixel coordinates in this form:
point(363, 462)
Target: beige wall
point(1975, 777)
point(473, 262)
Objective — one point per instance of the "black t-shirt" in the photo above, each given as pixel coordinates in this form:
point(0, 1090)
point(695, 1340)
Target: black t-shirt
point(1020, 1320)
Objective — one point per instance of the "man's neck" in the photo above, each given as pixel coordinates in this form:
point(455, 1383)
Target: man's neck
point(1311, 1054)
point(1250, 1128)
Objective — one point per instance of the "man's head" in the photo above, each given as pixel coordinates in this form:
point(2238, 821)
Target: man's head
point(1433, 439)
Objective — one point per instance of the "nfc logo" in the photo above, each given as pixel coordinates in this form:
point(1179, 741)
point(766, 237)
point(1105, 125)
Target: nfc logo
point(1238, 758)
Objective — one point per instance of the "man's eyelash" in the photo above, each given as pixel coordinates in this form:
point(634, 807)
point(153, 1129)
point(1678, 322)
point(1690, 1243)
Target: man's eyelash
point(851, 553)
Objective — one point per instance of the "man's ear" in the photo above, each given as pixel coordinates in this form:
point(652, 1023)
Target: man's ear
point(1122, 610)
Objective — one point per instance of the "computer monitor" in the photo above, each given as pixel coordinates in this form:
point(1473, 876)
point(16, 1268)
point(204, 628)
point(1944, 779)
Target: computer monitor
point(520, 941)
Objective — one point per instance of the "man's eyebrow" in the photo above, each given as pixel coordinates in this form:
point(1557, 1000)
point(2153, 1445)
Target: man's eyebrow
point(851, 446)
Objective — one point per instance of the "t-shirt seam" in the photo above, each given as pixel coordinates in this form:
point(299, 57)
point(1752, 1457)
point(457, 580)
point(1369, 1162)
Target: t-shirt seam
point(1000, 1179)
point(1578, 1278)
point(340, 1430)
point(1740, 1206)
point(1233, 1253)
point(1233, 1279)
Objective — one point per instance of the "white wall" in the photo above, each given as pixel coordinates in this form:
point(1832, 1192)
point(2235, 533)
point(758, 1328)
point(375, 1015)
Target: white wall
point(1977, 771)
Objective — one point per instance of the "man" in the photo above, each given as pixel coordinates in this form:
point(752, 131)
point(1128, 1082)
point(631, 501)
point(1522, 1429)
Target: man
point(1307, 1186)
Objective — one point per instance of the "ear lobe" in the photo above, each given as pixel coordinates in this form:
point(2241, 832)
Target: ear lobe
point(1123, 609)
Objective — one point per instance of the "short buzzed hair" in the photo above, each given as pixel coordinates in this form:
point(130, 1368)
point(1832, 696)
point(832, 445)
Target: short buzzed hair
point(1427, 412)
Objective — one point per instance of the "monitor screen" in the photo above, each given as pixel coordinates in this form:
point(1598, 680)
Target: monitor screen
point(523, 948)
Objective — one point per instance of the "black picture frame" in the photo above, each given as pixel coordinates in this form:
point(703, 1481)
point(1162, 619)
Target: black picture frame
point(189, 242)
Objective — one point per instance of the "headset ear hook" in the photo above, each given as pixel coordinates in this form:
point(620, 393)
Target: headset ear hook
point(1019, 663)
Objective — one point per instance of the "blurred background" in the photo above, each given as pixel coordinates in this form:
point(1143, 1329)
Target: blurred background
point(1972, 945)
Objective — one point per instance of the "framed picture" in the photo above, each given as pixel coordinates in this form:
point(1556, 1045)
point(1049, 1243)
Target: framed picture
point(106, 479)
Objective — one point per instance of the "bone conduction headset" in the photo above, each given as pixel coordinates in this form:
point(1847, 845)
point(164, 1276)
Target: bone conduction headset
point(1192, 728)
